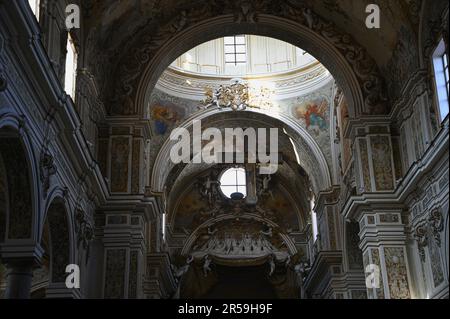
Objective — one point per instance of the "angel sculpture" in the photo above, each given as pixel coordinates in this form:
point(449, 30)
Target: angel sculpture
point(287, 261)
point(208, 189)
point(213, 98)
point(207, 266)
point(179, 272)
point(265, 186)
point(272, 265)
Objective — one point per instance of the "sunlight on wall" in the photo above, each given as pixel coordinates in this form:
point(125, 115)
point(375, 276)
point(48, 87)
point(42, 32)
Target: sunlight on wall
point(34, 4)
point(71, 68)
point(314, 219)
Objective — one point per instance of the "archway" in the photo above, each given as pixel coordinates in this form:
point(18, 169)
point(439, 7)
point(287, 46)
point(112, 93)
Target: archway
point(20, 207)
point(60, 241)
point(18, 189)
point(320, 174)
point(352, 66)
point(58, 238)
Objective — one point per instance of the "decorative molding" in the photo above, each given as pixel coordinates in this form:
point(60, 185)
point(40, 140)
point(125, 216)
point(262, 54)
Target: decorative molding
point(234, 96)
point(47, 170)
point(436, 221)
point(421, 237)
point(191, 86)
point(84, 231)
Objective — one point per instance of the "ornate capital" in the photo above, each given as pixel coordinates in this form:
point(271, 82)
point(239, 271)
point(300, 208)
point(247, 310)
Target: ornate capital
point(436, 221)
point(47, 169)
point(422, 240)
point(84, 230)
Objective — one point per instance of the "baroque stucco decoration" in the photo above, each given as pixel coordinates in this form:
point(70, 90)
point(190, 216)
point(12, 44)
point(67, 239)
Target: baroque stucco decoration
point(147, 52)
point(84, 231)
point(47, 169)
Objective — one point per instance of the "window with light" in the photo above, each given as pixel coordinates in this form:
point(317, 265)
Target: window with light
point(440, 64)
point(233, 180)
point(34, 5)
point(71, 68)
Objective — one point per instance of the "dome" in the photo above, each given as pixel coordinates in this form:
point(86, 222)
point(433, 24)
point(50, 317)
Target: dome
point(243, 55)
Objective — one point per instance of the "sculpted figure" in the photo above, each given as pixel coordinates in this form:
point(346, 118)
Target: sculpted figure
point(268, 233)
point(206, 266)
point(272, 265)
point(183, 269)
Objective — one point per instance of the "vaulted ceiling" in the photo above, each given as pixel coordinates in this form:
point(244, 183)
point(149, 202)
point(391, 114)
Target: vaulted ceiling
point(117, 30)
point(117, 22)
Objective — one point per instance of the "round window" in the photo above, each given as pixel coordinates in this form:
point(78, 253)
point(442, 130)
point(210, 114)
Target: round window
point(233, 181)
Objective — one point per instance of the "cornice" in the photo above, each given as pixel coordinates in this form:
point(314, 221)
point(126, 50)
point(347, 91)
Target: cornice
point(192, 86)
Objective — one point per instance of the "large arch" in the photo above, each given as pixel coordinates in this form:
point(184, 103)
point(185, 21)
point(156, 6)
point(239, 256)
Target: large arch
point(321, 178)
point(58, 217)
point(351, 65)
point(23, 187)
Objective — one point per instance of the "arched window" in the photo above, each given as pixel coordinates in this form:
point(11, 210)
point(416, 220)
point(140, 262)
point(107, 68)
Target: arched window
point(440, 65)
point(233, 180)
point(34, 5)
point(71, 68)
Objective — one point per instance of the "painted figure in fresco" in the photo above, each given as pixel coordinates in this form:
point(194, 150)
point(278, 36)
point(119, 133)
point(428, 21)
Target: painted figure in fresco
point(163, 117)
point(313, 113)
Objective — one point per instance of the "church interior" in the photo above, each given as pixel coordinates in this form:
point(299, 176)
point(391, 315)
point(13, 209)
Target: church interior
point(93, 206)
